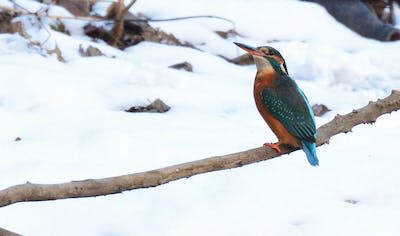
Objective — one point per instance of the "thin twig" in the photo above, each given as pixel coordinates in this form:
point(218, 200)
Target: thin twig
point(183, 18)
point(129, 6)
point(96, 18)
point(38, 19)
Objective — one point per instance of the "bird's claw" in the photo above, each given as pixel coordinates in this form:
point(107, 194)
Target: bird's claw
point(275, 146)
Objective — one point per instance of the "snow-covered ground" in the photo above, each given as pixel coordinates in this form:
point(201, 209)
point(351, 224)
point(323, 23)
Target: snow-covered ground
point(71, 121)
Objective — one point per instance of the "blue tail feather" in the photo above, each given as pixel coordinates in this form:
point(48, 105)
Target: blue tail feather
point(311, 153)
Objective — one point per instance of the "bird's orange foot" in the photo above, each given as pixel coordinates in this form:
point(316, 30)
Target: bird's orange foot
point(275, 146)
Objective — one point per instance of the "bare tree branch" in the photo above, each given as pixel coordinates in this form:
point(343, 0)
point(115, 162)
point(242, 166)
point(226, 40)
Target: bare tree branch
point(4, 232)
point(98, 187)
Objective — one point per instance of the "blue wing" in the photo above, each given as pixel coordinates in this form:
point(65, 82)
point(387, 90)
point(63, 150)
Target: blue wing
point(288, 104)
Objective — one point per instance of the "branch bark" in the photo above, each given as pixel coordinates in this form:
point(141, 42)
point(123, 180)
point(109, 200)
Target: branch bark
point(112, 185)
point(4, 232)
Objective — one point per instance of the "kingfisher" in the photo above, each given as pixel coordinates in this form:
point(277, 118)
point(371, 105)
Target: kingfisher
point(282, 103)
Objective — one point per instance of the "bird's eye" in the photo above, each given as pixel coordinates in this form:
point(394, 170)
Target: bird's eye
point(270, 52)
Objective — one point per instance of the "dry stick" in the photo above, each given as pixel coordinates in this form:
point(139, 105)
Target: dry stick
point(129, 6)
point(98, 187)
point(98, 18)
point(118, 29)
point(182, 18)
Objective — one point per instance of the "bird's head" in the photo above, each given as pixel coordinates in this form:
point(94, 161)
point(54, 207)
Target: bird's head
point(266, 58)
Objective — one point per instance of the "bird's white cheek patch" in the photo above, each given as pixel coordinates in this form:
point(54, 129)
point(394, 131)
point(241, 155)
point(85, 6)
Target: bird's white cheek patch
point(283, 68)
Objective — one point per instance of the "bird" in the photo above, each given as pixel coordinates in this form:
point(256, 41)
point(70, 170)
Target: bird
point(281, 102)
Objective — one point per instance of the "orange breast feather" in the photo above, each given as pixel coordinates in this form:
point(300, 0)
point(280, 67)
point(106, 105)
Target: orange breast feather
point(264, 80)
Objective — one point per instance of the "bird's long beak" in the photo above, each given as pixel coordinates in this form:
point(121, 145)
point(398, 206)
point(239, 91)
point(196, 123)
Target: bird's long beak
point(251, 50)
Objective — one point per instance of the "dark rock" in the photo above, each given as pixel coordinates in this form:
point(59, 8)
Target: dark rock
point(97, 33)
point(351, 201)
point(135, 29)
point(183, 66)
point(5, 22)
point(77, 8)
point(245, 59)
point(157, 106)
point(320, 109)
point(368, 18)
point(90, 51)
point(395, 36)
point(227, 34)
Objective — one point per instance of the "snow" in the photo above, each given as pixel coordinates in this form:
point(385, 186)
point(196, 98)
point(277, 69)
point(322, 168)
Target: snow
point(100, 8)
point(71, 121)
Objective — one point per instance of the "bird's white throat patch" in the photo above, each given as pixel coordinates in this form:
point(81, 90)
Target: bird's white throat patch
point(263, 64)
